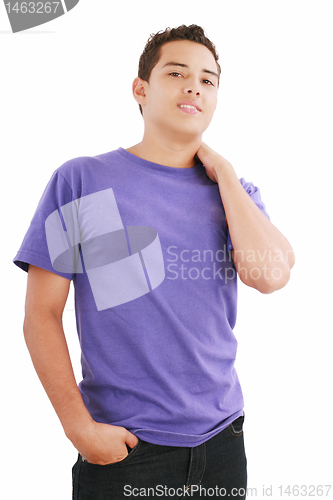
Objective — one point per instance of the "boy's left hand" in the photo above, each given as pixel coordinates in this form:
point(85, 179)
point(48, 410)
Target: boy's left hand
point(212, 161)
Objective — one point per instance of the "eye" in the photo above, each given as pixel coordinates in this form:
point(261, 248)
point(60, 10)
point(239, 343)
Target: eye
point(174, 73)
point(208, 82)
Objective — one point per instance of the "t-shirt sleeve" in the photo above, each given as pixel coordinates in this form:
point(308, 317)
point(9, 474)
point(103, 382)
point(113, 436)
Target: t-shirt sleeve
point(254, 193)
point(46, 240)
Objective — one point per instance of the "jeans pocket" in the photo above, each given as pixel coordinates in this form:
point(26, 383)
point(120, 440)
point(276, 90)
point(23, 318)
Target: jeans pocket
point(131, 453)
point(236, 427)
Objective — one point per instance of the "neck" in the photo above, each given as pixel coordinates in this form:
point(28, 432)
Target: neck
point(171, 154)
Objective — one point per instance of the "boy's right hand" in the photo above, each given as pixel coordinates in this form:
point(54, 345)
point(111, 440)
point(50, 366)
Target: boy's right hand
point(104, 444)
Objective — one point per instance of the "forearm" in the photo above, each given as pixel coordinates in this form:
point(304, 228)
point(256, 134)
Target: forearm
point(47, 345)
point(46, 298)
point(262, 255)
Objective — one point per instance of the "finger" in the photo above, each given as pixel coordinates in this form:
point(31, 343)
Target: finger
point(131, 440)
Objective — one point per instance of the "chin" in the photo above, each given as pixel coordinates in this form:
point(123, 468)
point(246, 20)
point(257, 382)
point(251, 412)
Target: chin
point(188, 130)
point(191, 131)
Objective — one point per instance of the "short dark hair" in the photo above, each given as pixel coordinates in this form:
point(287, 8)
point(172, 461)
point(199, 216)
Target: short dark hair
point(151, 53)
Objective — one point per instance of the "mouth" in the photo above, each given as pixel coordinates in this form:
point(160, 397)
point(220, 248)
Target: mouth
point(189, 107)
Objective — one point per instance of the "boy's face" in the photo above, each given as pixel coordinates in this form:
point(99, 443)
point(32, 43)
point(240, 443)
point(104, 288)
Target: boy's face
point(180, 99)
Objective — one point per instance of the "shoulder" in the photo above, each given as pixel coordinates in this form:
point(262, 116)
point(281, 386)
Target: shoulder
point(85, 174)
point(81, 164)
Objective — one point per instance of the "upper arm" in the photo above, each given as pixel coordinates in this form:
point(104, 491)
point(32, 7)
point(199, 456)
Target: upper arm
point(46, 291)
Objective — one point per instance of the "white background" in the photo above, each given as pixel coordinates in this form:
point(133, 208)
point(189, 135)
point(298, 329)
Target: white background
point(66, 92)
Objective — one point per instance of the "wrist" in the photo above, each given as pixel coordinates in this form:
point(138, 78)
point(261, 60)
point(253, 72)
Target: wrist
point(79, 427)
point(224, 170)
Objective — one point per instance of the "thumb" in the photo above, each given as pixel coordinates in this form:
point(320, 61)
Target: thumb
point(131, 440)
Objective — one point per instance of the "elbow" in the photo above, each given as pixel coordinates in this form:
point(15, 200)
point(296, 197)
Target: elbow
point(267, 280)
point(27, 329)
point(278, 279)
point(279, 276)
point(269, 276)
point(291, 259)
point(272, 286)
point(31, 325)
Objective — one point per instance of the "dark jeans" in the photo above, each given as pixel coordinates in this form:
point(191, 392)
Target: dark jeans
point(214, 469)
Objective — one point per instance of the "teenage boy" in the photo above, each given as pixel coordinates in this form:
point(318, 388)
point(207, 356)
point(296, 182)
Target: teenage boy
point(152, 237)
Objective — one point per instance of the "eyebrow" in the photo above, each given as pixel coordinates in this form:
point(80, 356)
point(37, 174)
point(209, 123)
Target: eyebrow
point(186, 66)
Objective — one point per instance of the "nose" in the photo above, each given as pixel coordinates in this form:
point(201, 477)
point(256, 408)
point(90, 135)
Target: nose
point(190, 91)
point(192, 88)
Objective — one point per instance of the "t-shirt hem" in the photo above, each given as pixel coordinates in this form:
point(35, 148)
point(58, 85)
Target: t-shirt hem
point(165, 438)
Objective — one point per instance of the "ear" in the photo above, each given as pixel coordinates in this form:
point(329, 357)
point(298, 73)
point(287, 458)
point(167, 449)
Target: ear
point(139, 90)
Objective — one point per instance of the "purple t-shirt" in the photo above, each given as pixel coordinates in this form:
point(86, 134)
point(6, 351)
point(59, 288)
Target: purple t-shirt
point(147, 248)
